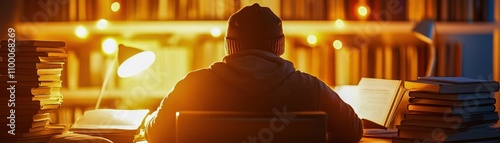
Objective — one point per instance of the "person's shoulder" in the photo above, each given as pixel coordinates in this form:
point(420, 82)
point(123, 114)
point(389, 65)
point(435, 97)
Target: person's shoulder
point(199, 73)
point(193, 78)
point(304, 76)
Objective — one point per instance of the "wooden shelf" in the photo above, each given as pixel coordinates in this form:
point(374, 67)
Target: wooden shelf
point(128, 28)
point(91, 94)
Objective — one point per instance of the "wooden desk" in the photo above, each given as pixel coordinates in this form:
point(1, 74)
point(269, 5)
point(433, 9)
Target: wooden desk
point(363, 140)
point(377, 140)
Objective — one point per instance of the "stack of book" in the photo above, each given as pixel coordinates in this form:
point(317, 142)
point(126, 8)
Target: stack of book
point(450, 109)
point(31, 73)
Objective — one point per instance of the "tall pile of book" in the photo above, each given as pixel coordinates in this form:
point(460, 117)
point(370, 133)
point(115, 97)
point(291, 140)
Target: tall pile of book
point(30, 75)
point(449, 109)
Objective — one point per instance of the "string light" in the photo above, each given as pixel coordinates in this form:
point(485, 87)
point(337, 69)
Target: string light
point(362, 10)
point(337, 44)
point(339, 23)
point(109, 46)
point(115, 6)
point(101, 24)
point(215, 32)
point(81, 32)
point(311, 39)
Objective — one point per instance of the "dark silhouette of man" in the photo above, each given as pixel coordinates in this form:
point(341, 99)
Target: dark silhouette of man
point(252, 77)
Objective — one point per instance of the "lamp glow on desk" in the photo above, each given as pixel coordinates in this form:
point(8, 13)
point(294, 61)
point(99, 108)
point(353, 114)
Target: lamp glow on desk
point(132, 61)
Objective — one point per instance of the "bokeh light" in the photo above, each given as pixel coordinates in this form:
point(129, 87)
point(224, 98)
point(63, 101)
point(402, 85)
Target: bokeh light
point(109, 46)
point(337, 44)
point(81, 32)
point(339, 23)
point(101, 24)
point(215, 32)
point(311, 39)
point(362, 10)
point(115, 6)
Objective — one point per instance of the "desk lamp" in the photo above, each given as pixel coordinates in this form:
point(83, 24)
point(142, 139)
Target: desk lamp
point(109, 122)
point(132, 61)
point(425, 31)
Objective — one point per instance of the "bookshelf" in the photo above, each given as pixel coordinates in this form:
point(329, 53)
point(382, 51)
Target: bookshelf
point(192, 18)
point(175, 28)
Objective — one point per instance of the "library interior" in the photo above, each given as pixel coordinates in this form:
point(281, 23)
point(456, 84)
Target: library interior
point(101, 71)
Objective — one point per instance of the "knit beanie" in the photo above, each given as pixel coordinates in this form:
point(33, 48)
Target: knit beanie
point(255, 27)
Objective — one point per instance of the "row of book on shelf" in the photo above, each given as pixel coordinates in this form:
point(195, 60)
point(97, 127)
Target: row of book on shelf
point(399, 61)
point(36, 97)
point(386, 10)
point(416, 10)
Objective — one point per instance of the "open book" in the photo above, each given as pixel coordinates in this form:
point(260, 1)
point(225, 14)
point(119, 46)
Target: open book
point(110, 120)
point(374, 99)
point(115, 125)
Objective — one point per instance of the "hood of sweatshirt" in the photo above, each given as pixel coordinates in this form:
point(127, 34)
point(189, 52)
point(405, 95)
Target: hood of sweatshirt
point(253, 72)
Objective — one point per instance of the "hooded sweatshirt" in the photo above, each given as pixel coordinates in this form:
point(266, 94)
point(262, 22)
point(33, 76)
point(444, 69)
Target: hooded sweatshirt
point(253, 81)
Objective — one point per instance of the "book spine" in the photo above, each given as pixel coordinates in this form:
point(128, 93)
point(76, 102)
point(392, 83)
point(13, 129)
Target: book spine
point(458, 59)
point(286, 9)
point(355, 63)
point(489, 10)
point(444, 10)
point(379, 62)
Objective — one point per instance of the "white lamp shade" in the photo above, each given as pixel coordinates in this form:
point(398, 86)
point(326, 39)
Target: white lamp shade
point(133, 61)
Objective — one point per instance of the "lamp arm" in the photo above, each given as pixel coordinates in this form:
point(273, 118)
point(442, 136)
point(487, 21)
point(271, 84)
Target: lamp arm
point(432, 60)
point(105, 82)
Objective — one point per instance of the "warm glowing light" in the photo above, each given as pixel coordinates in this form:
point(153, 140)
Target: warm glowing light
point(177, 114)
point(115, 6)
point(81, 32)
point(136, 64)
point(337, 44)
point(101, 24)
point(362, 10)
point(109, 46)
point(124, 115)
point(311, 39)
point(215, 31)
point(339, 23)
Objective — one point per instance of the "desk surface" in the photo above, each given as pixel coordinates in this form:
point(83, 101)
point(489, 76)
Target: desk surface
point(364, 140)
point(378, 140)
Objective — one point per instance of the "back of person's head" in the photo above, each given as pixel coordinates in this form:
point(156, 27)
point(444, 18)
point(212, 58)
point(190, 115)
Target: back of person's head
point(255, 27)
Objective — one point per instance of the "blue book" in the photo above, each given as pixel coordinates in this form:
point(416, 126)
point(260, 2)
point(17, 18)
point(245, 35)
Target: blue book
point(451, 85)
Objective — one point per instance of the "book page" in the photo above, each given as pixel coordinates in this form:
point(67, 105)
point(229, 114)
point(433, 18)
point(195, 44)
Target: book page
point(376, 98)
point(111, 119)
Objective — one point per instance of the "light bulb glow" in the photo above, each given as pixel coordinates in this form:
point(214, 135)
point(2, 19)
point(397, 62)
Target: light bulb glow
point(136, 64)
point(115, 6)
point(311, 39)
point(101, 24)
point(109, 46)
point(337, 44)
point(215, 32)
point(339, 23)
point(81, 32)
point(362, 10)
